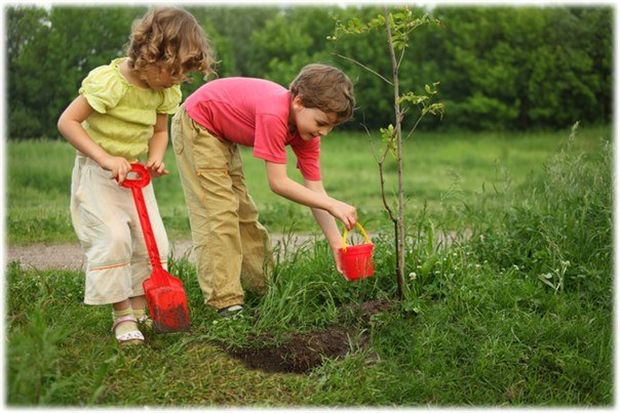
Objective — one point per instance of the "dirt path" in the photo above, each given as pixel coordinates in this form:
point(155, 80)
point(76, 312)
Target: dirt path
point(70, 256)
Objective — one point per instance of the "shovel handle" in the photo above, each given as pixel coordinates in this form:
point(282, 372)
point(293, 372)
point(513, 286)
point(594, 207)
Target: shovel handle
point(136, 185)
point(364, 234)
point(144, 177)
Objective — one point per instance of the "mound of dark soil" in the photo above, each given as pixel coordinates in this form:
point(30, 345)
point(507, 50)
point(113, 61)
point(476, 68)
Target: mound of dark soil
point(300, 353)
point(303, 352)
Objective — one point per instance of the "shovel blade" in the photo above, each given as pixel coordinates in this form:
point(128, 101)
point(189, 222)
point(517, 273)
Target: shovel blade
point(167, 304)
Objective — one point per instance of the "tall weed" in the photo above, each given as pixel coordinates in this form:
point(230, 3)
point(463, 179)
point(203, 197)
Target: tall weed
point(559, 231)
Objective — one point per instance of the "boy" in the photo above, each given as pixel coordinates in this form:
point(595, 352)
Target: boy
point(230, 244)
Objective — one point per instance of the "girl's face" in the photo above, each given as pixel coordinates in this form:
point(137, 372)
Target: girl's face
point(311, 122)
point(158, 78)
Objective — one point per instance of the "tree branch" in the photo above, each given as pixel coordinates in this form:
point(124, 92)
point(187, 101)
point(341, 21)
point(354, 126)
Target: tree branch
point(414, 127)
point(383, 198)
point(400, 60)
point(365, 67)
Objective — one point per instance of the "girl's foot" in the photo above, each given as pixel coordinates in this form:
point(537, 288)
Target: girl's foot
point(142, 318)
point(125, 328)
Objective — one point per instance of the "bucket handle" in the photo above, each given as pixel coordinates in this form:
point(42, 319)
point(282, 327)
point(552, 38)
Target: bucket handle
point(364, 234)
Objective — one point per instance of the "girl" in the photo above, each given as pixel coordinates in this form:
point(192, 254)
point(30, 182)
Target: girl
point(120, 115)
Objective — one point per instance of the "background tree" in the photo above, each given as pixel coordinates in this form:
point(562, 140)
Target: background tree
point(230, 29)
point(522, 68)
point(512, 68)
point(48, 64)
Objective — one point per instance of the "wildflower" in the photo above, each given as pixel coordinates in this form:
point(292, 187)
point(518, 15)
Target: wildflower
point(515, 267)
point(413, 276)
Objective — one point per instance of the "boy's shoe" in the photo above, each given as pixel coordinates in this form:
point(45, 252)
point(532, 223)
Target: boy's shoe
point(232, 311)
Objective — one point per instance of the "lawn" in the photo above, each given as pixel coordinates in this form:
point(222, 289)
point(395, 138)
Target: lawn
point(441, 170)
point(517, 314)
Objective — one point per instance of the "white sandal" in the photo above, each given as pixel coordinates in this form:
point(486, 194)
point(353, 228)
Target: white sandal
point(131, 337)
point(145, 321)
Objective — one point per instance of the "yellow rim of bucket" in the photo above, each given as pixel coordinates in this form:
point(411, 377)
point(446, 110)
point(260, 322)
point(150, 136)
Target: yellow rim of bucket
point(364, 234)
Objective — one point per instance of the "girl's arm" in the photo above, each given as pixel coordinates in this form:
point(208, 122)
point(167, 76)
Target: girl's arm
point(157, 147)
point(282, 185)
point(70, 126)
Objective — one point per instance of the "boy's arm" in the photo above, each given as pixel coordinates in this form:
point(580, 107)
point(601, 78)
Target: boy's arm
point(282, 185)
point(70, 126)
point(327, 223)
point(157, 147)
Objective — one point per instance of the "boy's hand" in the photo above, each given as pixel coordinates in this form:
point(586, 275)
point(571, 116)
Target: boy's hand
point(118, 165)
point(156, 167)
point(344, 212)
point(338, 259)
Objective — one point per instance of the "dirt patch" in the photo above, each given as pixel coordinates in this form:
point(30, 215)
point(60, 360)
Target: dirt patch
point(300, 353)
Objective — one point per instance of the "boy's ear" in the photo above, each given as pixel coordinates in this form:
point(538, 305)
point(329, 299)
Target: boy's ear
point(298, 103)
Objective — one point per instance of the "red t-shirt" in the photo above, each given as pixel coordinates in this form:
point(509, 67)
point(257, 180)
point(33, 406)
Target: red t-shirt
point(254, 112)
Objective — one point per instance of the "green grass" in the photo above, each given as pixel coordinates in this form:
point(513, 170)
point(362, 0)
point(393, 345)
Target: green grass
point(519, 315)
point(443, 170)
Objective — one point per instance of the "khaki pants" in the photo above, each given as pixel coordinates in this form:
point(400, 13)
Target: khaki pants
point(106, 222)
point(231, 246)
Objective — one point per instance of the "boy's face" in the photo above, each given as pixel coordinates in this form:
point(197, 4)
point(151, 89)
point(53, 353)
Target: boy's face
point(311, 122)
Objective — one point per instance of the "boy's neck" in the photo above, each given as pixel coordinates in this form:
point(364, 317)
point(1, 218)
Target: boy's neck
point(291, 121)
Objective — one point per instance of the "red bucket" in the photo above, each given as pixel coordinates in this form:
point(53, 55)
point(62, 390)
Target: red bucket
point(357, 259)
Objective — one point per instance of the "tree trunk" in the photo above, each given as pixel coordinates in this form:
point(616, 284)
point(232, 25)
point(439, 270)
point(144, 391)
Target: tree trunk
point(399, 226)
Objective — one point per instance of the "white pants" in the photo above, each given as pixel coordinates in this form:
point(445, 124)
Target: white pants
point(106, 222)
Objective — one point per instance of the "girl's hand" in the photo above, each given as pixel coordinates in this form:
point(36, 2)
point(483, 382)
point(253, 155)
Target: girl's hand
point(156, 167)
point(118, 165)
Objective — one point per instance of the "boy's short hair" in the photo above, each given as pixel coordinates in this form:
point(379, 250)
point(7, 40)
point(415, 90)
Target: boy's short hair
point(325, 88)
point(171, 35)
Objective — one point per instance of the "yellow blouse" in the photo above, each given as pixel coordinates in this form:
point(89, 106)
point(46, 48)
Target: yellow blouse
point(124, 115)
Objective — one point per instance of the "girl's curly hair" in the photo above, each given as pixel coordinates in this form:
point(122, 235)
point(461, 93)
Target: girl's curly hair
point(172, 36)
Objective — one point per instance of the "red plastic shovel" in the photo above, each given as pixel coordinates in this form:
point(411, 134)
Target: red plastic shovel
point(164, 293)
